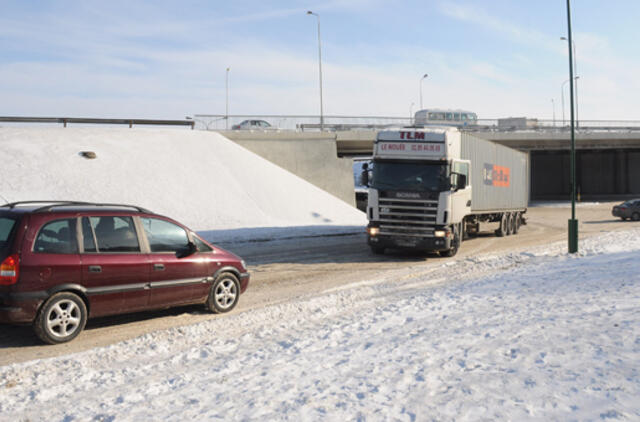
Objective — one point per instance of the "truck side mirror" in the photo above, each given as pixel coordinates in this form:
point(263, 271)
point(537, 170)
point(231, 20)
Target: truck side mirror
point(462, 181)
point(364, 177)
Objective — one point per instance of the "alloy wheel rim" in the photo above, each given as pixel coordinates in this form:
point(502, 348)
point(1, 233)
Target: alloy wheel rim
point(226, 293)
point(63, 318)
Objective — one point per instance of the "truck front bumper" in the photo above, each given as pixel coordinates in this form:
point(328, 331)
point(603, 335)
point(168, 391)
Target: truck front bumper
point(414, 243)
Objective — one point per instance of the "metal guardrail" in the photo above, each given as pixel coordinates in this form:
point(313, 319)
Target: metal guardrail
point(338, 123)
point(89, 120)
point(220, 122)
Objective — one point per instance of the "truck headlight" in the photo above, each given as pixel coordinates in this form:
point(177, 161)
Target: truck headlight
point(373, 231)
point(440, 233)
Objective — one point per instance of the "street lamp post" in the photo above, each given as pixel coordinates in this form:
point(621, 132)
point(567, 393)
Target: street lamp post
point(553, 105)
point(562, 94)
point(422, 79)
point(226, 116)
point(575, 69)
point(309, 12)
point(411, 113)
point(573, 222)
point(562, 99)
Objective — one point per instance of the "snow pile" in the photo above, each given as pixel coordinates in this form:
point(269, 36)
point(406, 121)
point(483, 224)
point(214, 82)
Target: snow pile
point(200, 178)
point(540, 335)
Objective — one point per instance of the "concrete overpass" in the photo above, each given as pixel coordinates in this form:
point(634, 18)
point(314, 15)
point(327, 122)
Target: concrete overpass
point(607, 161)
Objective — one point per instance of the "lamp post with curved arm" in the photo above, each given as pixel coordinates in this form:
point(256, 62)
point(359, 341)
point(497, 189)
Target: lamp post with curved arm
point(421, 79)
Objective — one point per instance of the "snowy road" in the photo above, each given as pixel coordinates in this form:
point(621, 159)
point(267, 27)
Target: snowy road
point(536, 335)
point(291, 269)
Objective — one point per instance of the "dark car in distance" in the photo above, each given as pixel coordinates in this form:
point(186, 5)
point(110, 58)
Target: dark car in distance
point(627, 210)
point(252, 124)
point(62, 262)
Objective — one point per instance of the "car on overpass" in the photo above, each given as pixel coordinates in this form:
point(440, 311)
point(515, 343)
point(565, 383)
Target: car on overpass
point(252, 124)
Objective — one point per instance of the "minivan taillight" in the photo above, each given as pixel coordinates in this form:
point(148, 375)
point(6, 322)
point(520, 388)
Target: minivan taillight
point(9, 270)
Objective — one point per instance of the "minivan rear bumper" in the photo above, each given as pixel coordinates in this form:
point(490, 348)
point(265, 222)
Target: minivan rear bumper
point(18, 308)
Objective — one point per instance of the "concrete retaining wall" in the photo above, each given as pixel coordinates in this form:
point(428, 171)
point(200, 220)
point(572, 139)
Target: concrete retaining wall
point(311, 156)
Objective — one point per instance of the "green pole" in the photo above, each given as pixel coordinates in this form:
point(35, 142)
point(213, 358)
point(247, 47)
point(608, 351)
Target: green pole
point(573, 222)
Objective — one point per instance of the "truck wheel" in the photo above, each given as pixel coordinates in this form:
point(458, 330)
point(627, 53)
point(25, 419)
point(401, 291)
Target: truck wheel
point(516, 223)
point(455, 245)
point(502, 230)
point(61, 318)
point(635, 216)
point(512, 223)
point(378, 250)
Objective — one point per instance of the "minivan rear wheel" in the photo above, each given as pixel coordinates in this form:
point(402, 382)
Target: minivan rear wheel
point(224, 294)
point(61, 318)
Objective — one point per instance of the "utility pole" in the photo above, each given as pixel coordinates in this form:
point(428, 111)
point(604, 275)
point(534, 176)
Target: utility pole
point(226, 117)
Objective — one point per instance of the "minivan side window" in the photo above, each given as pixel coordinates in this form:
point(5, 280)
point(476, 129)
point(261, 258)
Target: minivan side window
point(58, 236)
point(114, 234)
point(165, 236)
point(6, 228)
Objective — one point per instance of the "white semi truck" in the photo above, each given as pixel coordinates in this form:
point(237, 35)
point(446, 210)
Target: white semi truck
point(430, 188)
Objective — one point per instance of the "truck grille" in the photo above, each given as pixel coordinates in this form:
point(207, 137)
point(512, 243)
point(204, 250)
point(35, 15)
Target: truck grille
point(407, 217)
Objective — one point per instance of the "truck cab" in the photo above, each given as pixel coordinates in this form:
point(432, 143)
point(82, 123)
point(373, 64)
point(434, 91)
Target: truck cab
point(420, 190)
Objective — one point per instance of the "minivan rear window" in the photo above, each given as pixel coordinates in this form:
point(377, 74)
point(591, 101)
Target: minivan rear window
point(6, 229)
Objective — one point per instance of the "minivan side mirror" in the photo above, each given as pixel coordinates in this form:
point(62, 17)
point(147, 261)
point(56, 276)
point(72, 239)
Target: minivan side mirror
point(188, 251)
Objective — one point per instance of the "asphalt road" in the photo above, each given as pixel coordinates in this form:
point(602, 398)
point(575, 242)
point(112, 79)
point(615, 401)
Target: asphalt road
point(287, 269)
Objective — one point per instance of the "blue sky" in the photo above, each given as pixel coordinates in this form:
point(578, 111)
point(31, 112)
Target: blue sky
point(167, 59)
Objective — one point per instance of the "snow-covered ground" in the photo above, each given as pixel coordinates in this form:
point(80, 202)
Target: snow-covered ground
point(530, 335)
point(200, 178)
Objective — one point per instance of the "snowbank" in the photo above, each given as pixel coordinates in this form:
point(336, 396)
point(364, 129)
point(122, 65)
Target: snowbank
point(200, 178)
point(535, 335)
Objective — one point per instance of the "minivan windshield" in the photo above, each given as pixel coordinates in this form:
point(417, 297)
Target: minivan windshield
point(6, 228)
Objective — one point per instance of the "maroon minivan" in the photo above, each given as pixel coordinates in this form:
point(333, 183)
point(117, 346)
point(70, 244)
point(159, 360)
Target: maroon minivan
point(62, 262)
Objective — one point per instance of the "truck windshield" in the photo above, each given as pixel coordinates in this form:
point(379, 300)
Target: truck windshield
point(410, 176)
point(6, 227)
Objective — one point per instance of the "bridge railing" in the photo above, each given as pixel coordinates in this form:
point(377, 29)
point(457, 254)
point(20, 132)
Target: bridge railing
point(64, 121)
point(220, 122)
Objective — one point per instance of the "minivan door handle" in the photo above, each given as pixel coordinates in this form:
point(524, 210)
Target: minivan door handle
point(158, 267)
point(95, 269)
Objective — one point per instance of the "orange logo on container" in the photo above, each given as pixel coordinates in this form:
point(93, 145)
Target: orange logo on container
point(497, 175)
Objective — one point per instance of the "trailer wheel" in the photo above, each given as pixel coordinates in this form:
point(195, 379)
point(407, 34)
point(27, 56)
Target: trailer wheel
point(517, 221)
point(635, 216)
point(512, 223)
point(502, 230)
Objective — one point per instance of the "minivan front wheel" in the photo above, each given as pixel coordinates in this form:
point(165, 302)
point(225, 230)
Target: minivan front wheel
point(224, 294)
point(61, 318)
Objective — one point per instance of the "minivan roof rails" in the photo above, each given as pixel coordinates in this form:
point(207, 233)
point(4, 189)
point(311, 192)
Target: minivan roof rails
point(53, 204)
